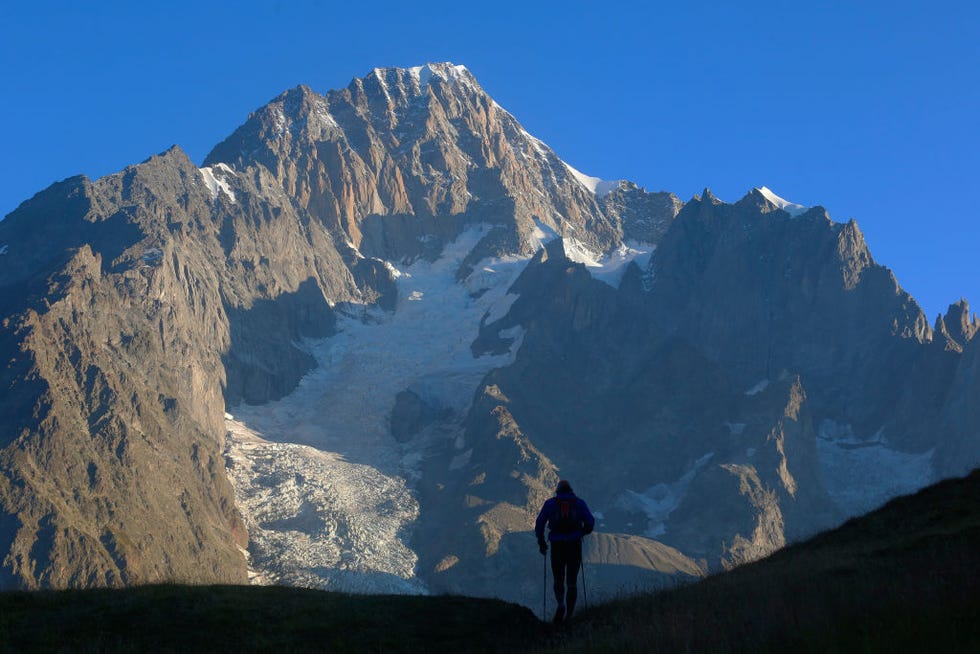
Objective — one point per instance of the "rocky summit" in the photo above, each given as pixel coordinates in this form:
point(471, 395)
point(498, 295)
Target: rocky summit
point(358, 346)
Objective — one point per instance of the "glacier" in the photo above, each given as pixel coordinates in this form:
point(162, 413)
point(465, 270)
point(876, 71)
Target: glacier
point(325, 490)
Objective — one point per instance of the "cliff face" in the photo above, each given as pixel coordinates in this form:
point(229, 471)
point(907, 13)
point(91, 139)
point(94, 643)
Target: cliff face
point(130, 303)
point(112, 466)
point(763, 294)
point(401, 277)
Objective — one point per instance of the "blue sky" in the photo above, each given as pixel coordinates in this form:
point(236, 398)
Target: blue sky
point(868, 108)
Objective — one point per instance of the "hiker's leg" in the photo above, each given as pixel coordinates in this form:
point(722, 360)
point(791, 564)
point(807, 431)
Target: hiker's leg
point(558, 571)
point(572, 563)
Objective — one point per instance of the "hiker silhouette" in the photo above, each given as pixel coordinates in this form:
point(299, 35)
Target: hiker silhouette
point(568, 519)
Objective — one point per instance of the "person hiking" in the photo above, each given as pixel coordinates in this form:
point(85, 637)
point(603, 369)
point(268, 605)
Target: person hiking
point(568, 519)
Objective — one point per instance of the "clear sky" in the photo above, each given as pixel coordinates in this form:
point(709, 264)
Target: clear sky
point(869, 108)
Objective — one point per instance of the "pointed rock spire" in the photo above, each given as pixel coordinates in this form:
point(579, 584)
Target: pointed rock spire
point(958, 324)
point(853, 252)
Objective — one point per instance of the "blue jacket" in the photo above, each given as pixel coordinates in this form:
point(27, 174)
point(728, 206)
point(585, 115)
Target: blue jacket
point(550, 514)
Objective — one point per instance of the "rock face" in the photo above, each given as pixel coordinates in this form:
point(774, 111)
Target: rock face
point(401, 160)
point(129, 303)
point(422, 319)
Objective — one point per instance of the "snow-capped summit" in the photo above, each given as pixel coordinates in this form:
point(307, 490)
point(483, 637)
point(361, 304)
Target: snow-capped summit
point(596, 185)
point(791, 208)
point(445, 70)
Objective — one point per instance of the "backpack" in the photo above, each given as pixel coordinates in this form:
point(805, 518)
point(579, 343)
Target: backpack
point(566, 518)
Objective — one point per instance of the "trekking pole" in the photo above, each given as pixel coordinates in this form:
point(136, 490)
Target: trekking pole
point(585, 591)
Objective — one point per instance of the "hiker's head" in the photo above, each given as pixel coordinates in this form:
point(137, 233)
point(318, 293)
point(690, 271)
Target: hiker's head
point(563, 487)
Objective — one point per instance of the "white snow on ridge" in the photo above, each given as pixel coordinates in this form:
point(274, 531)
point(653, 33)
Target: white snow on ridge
point(594, 185)
point(862, 474)
point(447, 71)
point(539, 146)
point(791, 208)
point(334, 430)
point(321, 111)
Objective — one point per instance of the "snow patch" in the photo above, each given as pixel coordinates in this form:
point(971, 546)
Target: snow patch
point(4, 249)
point(791, 208)
point(395, 273)
point(861, 474)
point(152, 255)
point(758, 388)
point(660, 500)
point(542, 234)
point(609, 268)
point(214, 182)
point(379, 74)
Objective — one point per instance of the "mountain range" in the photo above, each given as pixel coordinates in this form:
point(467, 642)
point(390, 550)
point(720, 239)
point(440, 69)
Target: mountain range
point(358, 346)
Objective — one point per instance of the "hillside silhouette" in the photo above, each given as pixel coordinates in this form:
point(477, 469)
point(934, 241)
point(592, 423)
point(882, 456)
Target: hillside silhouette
point(900, 579)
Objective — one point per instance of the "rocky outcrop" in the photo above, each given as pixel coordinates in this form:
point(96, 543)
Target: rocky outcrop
point(477, 499)
point(111, 460)
point(645, 217)
point(763, 490)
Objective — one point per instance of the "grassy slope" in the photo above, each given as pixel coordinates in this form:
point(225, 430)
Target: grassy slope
point(904, 578)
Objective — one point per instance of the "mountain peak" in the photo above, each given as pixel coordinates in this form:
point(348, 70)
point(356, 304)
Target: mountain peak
point(958, 323)
point(709, 197)
point(445, 71)
point(791, 208)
